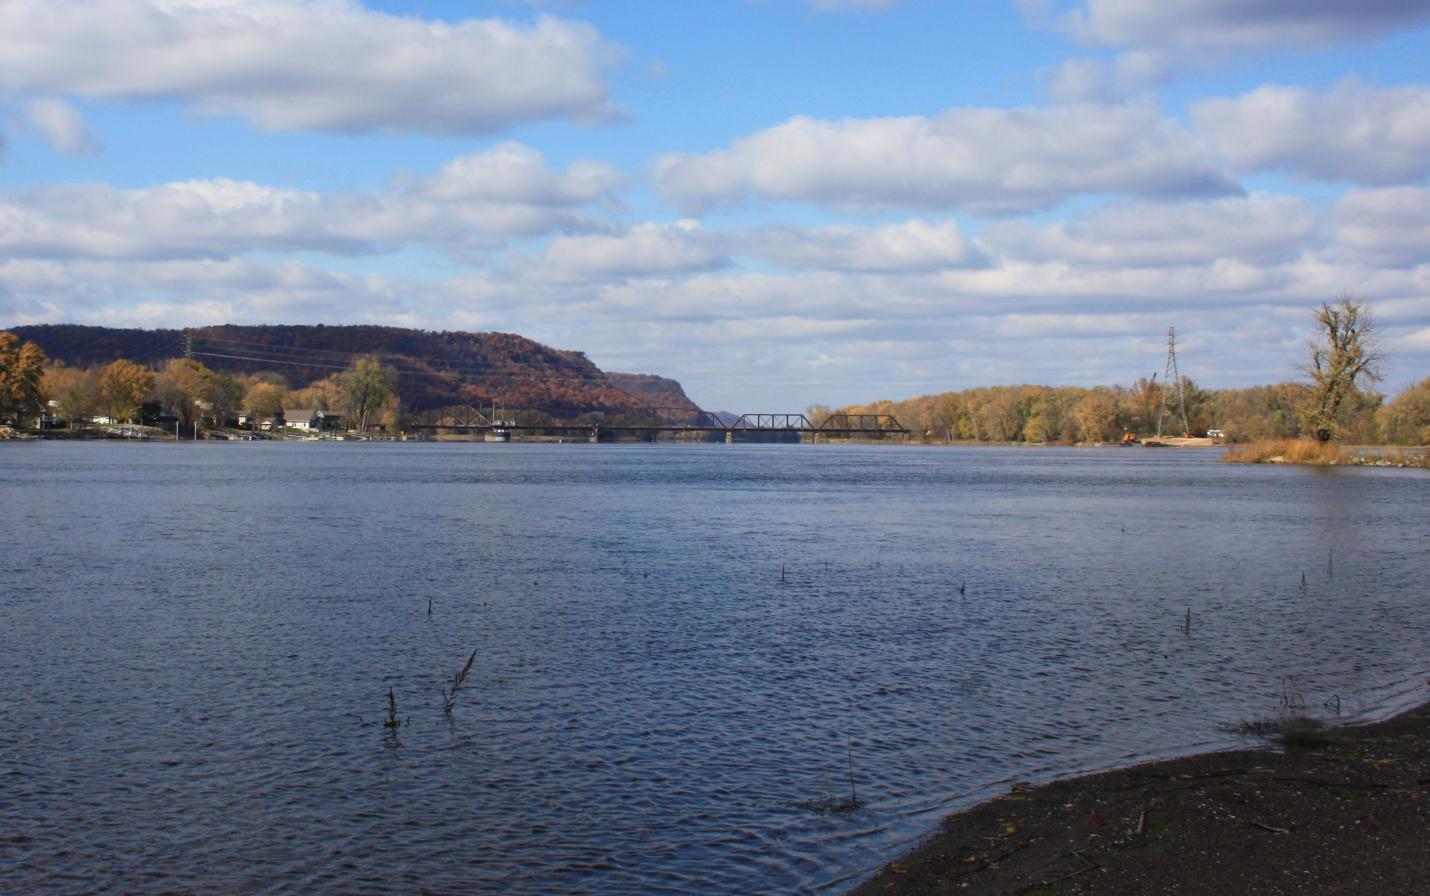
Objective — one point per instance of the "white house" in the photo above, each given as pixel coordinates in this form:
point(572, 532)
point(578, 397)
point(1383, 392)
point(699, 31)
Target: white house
point(303, 418)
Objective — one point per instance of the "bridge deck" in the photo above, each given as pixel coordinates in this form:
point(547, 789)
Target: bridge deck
point(676, 420)
point(586, 427)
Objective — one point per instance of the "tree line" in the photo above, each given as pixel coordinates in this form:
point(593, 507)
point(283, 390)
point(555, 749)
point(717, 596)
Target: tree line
point(1336, 401)
point(186, 389)
point(434, 369)
point(1071, 414)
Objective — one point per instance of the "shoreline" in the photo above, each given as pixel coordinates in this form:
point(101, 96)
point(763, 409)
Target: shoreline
point(1342, 810)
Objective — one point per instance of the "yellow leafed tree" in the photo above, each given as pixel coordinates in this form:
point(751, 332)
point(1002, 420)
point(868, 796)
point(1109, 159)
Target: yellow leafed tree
point(123, 387)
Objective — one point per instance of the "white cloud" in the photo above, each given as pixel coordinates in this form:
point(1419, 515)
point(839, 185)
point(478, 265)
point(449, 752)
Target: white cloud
point(287, 65)
point(474, 202)
point(980, 159)
point(1363, 134)
point(1259, 229)
point(1191, 25)
point(785, 339)
point(514, 173)
point(1388, 226)
point(1104, 81)
point(913, 245)
point(1083, 81)
point(1159, 41)
point(61, 126)
point(651, 250)
point(642, 251)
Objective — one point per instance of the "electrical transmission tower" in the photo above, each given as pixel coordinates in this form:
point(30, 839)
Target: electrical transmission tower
point(1172, 379)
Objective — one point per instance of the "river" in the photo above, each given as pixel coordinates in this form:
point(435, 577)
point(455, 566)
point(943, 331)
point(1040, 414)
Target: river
point(686, 656)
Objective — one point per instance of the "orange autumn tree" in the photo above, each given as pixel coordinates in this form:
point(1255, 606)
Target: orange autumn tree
point(22, 368)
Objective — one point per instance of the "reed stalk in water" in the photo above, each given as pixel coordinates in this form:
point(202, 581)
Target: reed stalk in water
point(449, 698)
point(392, 720)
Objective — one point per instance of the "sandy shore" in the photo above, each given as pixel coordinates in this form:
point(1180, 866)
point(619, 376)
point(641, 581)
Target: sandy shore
point(1347, 814)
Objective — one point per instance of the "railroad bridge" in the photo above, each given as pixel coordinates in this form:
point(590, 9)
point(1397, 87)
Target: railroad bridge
point(464, 418)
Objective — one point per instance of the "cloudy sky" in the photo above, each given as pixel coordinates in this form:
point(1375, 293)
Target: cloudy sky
point(777, 202)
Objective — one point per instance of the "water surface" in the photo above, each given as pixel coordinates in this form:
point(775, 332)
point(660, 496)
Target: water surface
point(681, 651)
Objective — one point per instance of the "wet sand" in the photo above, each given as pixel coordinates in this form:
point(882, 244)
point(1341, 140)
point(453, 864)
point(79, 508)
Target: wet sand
point(1344, 816)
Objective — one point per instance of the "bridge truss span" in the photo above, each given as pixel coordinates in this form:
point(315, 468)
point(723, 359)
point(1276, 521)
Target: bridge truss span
point(677, 420)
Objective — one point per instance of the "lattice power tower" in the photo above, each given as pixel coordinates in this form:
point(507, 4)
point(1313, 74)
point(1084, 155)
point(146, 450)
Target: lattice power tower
point(1169, 377)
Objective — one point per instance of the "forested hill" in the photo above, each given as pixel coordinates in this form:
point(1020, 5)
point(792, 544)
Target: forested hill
point(656, 391)
point(430, 369)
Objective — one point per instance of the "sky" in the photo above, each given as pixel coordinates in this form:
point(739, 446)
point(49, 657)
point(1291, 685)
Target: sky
point(776, 202)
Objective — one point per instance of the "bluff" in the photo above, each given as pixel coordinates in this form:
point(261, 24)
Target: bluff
point(430, 369)
point(656, 391)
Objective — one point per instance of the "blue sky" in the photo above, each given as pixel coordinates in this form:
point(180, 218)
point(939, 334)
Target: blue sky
point(778, 203)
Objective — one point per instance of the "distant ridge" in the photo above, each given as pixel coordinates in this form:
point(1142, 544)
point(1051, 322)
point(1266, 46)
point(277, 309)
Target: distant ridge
point(433, 369)
point(656, 391)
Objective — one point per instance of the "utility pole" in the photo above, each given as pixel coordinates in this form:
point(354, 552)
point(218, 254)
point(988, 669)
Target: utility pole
point(1169, 377)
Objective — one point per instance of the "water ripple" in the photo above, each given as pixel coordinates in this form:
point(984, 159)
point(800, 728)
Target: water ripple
point(686, 657)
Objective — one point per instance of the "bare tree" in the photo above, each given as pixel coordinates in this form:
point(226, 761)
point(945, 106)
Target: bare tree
point(1347, 351)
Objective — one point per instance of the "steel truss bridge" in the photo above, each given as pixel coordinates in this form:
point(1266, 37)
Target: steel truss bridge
point(669, 420)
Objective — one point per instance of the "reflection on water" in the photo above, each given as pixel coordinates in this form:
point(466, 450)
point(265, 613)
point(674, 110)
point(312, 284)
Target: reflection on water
point(197, 643)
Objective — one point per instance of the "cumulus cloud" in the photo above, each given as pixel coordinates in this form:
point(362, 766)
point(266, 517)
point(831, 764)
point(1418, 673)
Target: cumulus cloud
point(983, 160)
point(474, 202)
point(1190, 25)
point(909, 246)
point(515, 173)
point(288, 65)
point(1083, 81)
point(788, 338)
point(1364, 134)
point(652, 250)
point(61, 126)
point(1159, 41)
point(644, 250)
point(182, 292)
point(1388, 226)
point(1259, 229)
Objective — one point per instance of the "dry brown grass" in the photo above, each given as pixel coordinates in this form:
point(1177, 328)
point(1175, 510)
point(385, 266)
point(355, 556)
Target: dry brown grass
point(1288, 451)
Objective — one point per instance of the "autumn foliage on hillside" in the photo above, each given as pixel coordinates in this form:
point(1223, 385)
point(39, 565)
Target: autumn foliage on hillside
point(656, 391)
point(429, 369)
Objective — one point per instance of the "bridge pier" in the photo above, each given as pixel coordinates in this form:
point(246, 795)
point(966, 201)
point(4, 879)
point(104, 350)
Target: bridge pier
point(729, 438)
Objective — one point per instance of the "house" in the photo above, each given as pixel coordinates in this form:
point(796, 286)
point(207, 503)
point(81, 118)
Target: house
point(303, 418)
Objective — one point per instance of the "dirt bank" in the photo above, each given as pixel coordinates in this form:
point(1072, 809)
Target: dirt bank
point(1347, 816)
